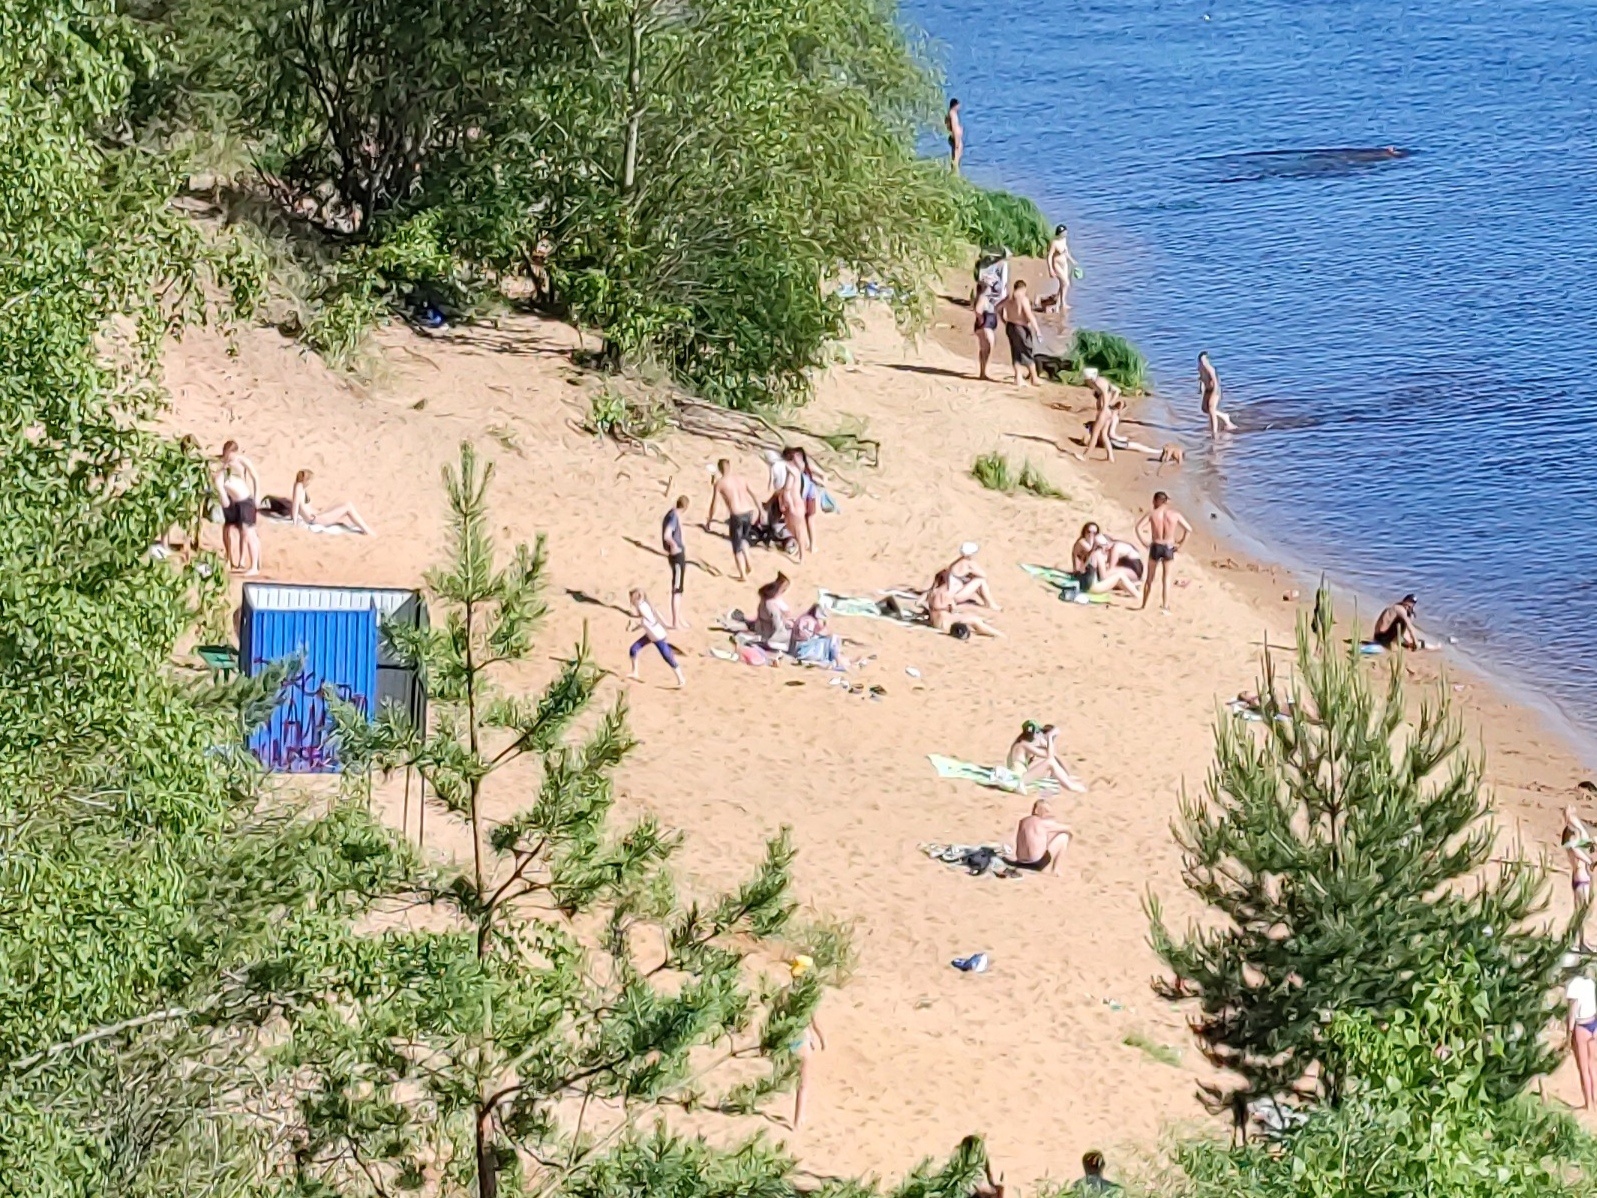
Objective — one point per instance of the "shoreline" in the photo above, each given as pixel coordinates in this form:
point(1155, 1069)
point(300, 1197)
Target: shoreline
point(1262, 570)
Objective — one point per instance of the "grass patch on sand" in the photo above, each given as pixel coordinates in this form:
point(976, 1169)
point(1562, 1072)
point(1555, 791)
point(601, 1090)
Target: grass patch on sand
point(1162, 1053)
point(1110, 354)
point(995, 472)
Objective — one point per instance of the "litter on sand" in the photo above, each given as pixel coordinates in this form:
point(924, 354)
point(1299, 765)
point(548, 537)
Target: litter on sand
point(975, 963)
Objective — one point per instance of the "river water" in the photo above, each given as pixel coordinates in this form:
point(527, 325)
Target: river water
point(1408, 341)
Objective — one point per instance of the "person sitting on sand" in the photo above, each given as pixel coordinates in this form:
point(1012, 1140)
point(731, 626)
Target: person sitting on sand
point(1035, 754)
point(646, 618)
point(771, 617)
point(813, 641)
point(1090, 564)
point(943, 614)
point(301, 511)
point(969, 579)
point(1395, 626)
point(1040, 841)
point(1093, 1183)
point(1020, 326)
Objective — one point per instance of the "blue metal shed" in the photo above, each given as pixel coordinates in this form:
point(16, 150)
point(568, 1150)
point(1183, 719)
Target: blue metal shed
point(334, 631)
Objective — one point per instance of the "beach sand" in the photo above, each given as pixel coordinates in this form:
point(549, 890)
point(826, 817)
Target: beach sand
point(1032, 1054)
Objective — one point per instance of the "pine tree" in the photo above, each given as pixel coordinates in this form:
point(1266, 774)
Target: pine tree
point(568, 991)
point(1347, 852)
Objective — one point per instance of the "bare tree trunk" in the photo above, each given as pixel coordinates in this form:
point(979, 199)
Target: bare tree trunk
point(629, 166)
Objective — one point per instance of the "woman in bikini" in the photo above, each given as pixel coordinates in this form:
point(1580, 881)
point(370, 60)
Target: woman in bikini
point(1035, 754)
point(302, 512)
point(804, 1044)
point(1091, 564)
point(1581, 1022)
point(943, 612)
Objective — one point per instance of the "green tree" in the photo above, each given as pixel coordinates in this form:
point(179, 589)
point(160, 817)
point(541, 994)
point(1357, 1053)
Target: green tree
point(1421, 1115)
point(568, 991)
point(1347, 855)
point(154, 915)
point(687, 180)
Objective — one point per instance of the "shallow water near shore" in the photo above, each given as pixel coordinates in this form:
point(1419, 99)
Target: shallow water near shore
point(1405, 338)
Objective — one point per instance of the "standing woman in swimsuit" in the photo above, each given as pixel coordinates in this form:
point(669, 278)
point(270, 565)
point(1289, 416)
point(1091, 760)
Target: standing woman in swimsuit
point(804, 1044)
point(1581, 1023)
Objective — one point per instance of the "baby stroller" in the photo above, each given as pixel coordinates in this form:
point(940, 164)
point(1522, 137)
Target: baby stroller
point(771, 530)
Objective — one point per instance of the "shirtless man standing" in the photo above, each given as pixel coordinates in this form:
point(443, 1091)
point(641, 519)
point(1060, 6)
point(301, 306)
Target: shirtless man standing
point(1394, 627)
point(956, 135)
point(1167, 531)
point(741, 508)
point(1040, 841)
point(1060, 263)
point(1209, 396)
point(1020, 325)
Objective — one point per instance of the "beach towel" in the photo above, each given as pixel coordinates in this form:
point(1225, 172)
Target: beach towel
point(996, 776)
point(864, 605)
point(1064, 582)
point(974, 859)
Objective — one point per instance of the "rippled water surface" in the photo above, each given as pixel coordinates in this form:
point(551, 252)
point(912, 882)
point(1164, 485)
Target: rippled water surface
point(1409, 340)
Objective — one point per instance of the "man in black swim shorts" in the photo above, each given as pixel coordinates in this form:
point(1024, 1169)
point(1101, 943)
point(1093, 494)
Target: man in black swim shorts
point(1166, 531)
point(741, 506)
point(1020, 325)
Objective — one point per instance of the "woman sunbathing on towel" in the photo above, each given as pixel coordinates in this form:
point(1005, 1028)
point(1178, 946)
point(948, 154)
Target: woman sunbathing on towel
point(1034, 755)
point(942, 610)
point(302, 512)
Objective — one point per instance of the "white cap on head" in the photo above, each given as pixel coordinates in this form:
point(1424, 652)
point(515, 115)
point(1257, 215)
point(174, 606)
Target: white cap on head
point(772, 457)
point(968, 549)
point(1091, 372)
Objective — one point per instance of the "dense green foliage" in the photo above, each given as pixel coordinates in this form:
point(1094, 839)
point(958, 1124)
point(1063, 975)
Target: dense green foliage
point(684, 180)
point(1422, 1117)
point(153, 914)
point(991, 219)
point(1348, 854)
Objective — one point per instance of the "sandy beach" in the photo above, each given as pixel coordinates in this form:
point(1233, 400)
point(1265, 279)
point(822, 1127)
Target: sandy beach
point(1032, 1054)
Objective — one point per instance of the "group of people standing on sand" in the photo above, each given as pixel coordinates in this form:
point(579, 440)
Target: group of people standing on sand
point(785, 518)
point(237, 486)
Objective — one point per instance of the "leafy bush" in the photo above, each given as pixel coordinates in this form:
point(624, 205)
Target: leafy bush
point(990, 218)
point(1419, 1118)
point(623, 418)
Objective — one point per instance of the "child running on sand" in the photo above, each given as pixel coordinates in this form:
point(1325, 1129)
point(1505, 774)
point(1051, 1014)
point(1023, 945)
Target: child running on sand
point(804, 1044)
point(646, 618)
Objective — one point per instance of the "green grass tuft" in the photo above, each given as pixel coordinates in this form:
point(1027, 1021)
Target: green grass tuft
point(1162, 1053)
point(995, 472)
point(622, 418)
point(1112, 355)
point(1031, 479)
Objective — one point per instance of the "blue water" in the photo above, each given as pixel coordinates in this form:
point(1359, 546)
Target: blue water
point(1410, 344)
